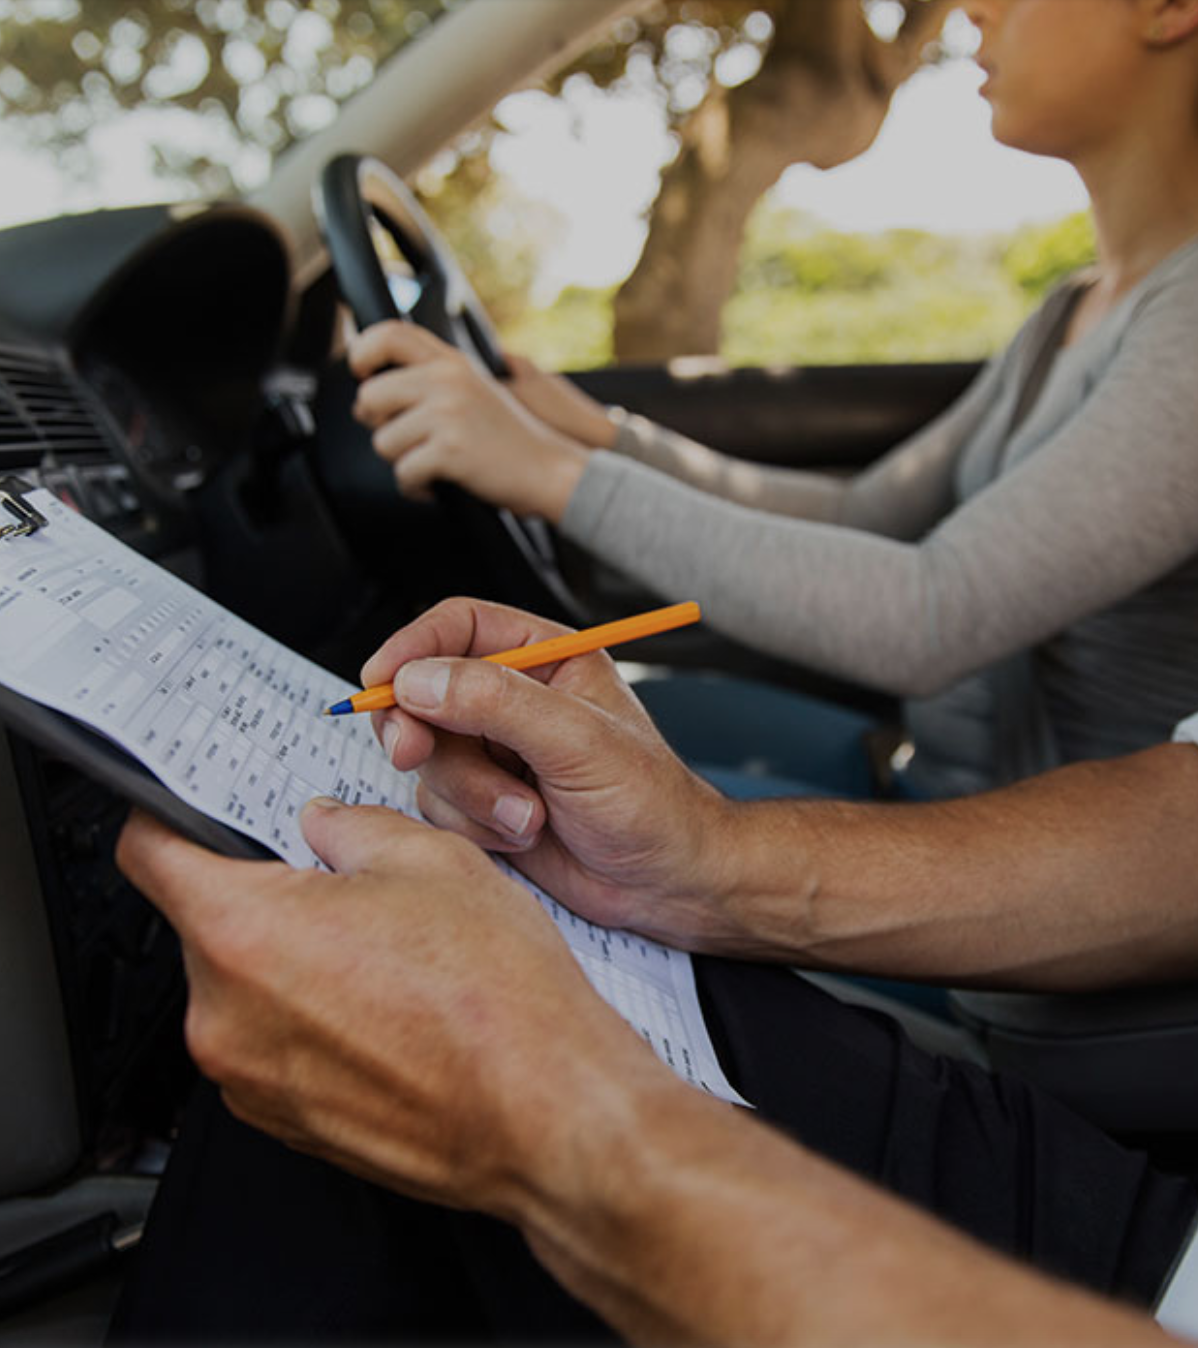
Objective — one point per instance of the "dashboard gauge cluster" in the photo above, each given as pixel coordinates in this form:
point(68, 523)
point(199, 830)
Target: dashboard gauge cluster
point(153, 343)
point(160, 449)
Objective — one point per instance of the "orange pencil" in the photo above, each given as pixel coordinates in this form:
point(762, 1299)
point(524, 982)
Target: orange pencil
point(548, 652)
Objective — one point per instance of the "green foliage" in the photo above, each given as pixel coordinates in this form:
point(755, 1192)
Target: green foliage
point(807, 295)
point(680, 49)
point(936, 320)
point(250, 76)
point(258, 74)
point(498, 235)
point(573, 333)
point(826, 261)
point(783, 249)
point(1039, 256)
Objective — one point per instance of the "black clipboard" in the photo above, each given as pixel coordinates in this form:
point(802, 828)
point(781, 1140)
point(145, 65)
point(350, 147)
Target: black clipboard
point(109, 764)
point(92, 753)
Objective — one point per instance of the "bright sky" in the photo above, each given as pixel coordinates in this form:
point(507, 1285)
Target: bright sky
point(933, 166)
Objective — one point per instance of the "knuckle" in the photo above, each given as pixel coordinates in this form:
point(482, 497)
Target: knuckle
point(457, 374)
point(476, 691)
point(455, 608)
point(447, 848)
point(205, 1041)
point(128, 851)
point(597, 733)
point(458, 850)
point(385, 337)
point(234, 942)
point(230, 950)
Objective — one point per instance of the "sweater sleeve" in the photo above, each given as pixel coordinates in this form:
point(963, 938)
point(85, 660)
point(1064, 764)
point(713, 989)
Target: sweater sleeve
point(902, 495)
point(1104, 506)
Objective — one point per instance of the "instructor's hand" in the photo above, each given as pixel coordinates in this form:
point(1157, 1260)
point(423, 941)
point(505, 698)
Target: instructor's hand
point(412, 1017)
point(559, 767)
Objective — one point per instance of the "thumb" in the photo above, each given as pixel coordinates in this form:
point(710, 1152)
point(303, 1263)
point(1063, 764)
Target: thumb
point(551, 730)
point(352, 838)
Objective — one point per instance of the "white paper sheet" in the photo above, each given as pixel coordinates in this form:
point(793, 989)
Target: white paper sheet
point(231, 720)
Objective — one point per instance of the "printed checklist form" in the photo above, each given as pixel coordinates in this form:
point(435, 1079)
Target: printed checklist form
point(232, 722)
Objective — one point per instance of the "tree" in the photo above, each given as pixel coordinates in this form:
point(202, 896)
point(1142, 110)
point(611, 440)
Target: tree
point(1040, 256)
point(252, 75)
point(747, 86)
point(827, 72)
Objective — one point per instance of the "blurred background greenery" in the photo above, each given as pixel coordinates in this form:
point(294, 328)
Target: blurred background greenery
point(207, 96)
point(806, 295)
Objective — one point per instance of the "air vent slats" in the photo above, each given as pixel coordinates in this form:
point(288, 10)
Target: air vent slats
point(43, 408)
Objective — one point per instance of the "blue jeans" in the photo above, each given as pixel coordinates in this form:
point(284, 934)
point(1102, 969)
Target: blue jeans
point(755, 742)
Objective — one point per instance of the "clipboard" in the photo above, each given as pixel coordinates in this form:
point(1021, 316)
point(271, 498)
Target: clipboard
point(28, 519)
point(259, 704)
point(95, 756)
point(108, 764)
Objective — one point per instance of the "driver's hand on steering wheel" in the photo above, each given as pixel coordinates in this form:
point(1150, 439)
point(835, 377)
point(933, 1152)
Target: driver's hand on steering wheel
point(436, 416)
point(561, 404)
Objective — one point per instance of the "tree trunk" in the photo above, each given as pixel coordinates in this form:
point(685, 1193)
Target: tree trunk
point(819, 98)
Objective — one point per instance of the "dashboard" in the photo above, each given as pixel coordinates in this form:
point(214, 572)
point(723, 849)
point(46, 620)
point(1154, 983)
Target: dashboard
point(134, 348)
point(162, 373)
point(159, 374)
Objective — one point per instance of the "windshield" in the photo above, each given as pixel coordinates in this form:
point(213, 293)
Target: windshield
point(118, 104)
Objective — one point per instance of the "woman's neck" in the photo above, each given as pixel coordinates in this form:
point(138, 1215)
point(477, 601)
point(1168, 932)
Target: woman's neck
point(1144, 193)
point(1145, 204)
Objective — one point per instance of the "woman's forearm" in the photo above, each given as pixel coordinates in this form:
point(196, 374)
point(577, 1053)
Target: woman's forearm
point(901, 495)
point(1099, 507)
point(782, 491)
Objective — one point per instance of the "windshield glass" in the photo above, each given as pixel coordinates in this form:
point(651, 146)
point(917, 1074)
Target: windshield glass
point(116, 104)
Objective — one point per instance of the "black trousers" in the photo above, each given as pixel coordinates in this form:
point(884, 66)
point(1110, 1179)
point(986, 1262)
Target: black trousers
point(249, 1241)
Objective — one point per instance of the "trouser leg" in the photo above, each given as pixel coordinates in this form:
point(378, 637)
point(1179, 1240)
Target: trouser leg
point(250, 1240)
point(989, 1153)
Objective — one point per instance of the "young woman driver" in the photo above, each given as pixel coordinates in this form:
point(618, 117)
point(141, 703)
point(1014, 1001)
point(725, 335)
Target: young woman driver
point(1024, 571)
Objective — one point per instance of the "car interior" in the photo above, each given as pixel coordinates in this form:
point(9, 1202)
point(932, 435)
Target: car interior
point(176, 373)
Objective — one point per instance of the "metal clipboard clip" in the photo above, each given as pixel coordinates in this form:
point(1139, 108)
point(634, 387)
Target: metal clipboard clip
point(12, 498)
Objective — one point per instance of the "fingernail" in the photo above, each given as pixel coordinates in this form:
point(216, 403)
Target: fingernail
point(423, 683)
point(391, 737)
point(512, 814)
point(324, 803)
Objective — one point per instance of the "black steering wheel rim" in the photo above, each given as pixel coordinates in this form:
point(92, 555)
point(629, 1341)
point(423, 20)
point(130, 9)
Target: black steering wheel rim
point(358, 194)
point(357, 191)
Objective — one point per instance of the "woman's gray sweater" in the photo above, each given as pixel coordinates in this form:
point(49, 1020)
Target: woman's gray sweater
point(1075, 536)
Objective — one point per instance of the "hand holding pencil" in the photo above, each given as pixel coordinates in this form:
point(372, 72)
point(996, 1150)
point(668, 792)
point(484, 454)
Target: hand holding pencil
point(381, 696)
point(560, 768)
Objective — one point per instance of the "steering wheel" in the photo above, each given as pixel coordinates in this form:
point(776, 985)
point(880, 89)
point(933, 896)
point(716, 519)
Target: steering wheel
point(390, 262)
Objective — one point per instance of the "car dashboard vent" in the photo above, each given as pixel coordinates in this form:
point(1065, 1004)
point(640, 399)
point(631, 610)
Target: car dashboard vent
point(43, 409)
